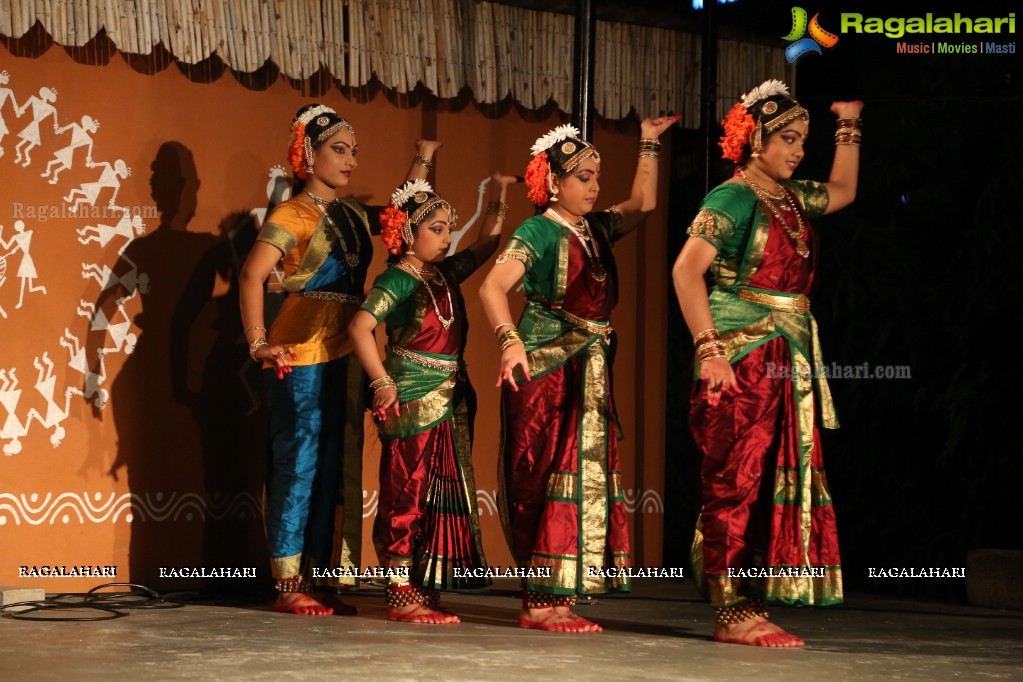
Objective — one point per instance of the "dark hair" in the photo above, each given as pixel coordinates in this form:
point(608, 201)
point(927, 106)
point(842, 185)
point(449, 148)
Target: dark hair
point(565, 155)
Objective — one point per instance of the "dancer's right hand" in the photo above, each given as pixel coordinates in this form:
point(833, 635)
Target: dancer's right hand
point(383, 400)
point(278, 355)
point(718, 374)
point(513, 356)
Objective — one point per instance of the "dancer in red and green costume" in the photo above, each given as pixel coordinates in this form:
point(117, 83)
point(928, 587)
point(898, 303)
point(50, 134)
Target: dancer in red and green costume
point(560, 484)
point(767, 530)
point(427, 527)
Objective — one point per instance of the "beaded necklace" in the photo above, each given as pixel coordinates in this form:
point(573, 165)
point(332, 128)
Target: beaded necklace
point(426, 274)
point(597, 271)
point(778, 204)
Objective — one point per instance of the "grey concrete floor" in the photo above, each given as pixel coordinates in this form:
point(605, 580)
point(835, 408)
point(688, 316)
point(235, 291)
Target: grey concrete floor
point(660, 632)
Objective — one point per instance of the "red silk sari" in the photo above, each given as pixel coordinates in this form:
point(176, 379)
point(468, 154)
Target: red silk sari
point(427, 513)
point(562, 503)
point(761, 537)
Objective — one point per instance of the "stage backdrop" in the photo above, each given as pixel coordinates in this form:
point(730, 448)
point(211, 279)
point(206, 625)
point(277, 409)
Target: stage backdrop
point(132, 418)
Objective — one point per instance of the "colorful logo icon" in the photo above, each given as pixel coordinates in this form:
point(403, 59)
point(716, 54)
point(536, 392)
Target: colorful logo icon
point(802, 46)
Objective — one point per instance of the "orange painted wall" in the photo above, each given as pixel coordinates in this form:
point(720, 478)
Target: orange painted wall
point(169, 471)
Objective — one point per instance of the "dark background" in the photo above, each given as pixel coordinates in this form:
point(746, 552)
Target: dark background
point(919, 271)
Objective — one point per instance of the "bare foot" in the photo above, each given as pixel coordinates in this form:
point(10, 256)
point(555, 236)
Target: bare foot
point(552, 619)
point(340, 608)
point(300, 603)
point(420, 613)
point(757, 631)
point(567, 611)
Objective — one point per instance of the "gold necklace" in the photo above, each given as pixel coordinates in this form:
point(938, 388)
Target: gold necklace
point(597, 271)
point(351, 257)
point(420, 273)
point(424, 271)
point(319, 200)
point(772, 202)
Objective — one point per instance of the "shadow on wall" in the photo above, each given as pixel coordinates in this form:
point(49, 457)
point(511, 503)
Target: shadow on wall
point(186, 404)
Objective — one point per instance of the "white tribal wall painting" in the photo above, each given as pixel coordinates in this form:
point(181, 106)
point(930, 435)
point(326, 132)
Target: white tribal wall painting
point(80, 203)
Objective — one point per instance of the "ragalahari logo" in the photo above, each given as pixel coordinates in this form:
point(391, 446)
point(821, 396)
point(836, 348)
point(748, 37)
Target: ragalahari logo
point(802, 46)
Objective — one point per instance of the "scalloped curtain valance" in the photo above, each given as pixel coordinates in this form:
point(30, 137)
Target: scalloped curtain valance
point(493, 49)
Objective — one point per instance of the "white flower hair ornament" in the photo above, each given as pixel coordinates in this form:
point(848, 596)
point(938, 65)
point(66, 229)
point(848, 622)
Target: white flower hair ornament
point(560, 133)
point(768, 88)
point(403, 194)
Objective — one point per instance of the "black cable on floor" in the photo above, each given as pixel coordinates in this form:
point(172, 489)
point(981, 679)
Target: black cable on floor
point(111, 604)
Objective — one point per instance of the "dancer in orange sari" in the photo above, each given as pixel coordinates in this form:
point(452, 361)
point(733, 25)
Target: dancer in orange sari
point(767, 529)
point(427, 528)
point(561, 498)
point(314, 387)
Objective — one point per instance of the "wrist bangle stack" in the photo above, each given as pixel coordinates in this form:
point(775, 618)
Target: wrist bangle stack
point(709, 345)
point(649, 149)
point(424, 162)
point(510, 338)
point(497, 208)
point(503, 324)
point(383, 382)
point(850, 131)
point(256, 345)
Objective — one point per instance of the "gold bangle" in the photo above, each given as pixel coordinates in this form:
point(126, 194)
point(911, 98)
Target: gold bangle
point(646, 144)
point(256, 345)
point(510, 338)
point(383, 382)
point(510, 333)
point(497, 208)
point(511, 342)
point(711, 352)
point(254, 328)
point(711, 331)
point(503, 324)
point(648, 155)
point(424, 162)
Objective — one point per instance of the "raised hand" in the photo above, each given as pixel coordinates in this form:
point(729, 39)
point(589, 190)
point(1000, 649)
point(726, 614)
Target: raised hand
point(847, 109)
point(651, 129)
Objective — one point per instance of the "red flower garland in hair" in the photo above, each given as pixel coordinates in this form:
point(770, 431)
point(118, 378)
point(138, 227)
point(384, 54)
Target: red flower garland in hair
point(739, 125)
point(296, 152)
point(536, 179)
point(391, 222)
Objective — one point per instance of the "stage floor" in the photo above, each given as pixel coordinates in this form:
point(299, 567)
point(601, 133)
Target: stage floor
point(660, 632)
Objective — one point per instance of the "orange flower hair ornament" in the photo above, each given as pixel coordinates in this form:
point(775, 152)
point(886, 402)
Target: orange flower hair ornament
point(296, 151)
point(738, 125)
point(537, 173)
point(392, 221)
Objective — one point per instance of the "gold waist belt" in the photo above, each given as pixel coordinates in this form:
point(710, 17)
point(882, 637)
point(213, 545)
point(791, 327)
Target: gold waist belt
point(432, 363)
point(333, 296)
point(592, 327)
point(791, 304)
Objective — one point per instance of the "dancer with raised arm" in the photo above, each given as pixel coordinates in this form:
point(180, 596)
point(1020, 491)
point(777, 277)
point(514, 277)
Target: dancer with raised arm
point(767, 529)
point(560, 485)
